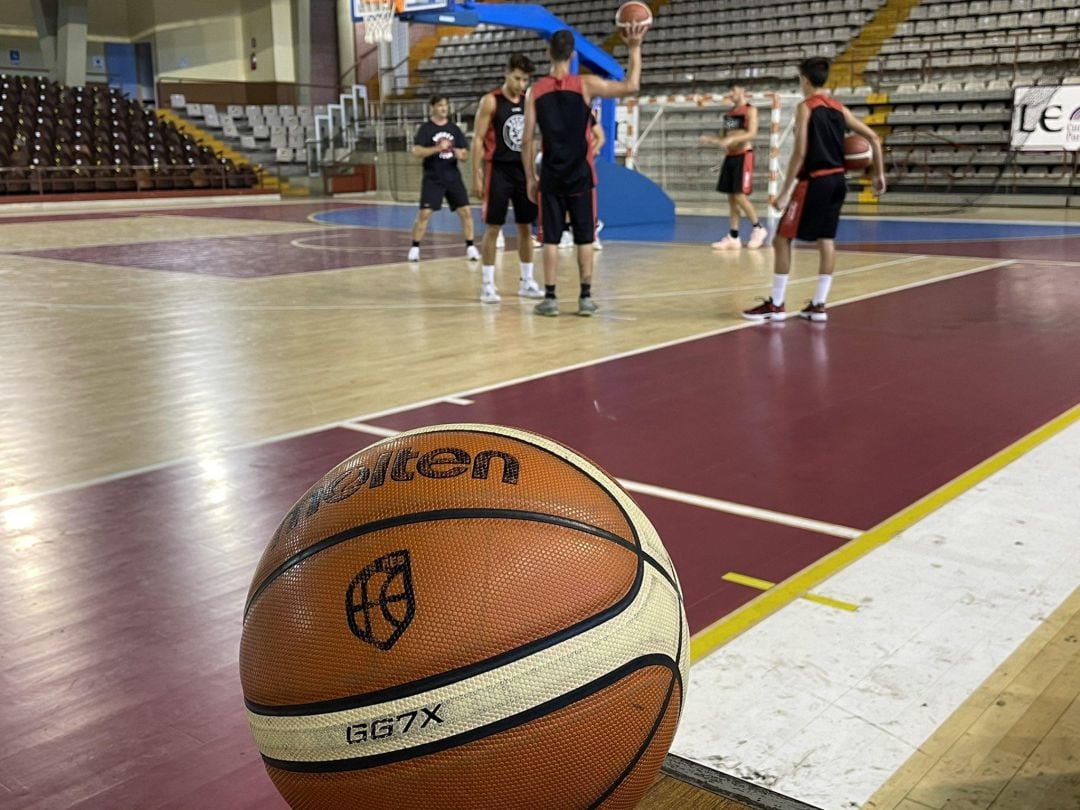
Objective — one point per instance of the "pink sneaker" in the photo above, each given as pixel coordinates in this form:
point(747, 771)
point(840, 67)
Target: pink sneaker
point(757, 237)
point(729, 242)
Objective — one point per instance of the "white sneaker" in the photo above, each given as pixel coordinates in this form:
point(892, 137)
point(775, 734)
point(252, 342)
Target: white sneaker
point(537, 243)
point(500, 242)
point(729, 242)
point(567, 240)
point(472, 253)
point(596, 239)
point(530, 289)
point(489, 295)
point(757, 237)
point(596, 244)
point(414, 254)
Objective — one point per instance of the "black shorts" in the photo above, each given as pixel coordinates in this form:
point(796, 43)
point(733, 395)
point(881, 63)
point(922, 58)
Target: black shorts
point(814, 210)
point(581, 207)
point(433, 190)
point(504, 183)
point(736, 174)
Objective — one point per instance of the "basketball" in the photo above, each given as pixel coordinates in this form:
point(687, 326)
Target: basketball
point(632, 12)
point(467, 616)
point(857, 153)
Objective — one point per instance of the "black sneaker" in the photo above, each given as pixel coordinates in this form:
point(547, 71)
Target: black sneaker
point(765, 311)
point(814, 312)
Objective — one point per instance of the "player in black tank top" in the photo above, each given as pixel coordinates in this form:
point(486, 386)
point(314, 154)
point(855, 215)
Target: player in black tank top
point(814, 189)
point(499, 178)
point(736, 173)
point(559, 105)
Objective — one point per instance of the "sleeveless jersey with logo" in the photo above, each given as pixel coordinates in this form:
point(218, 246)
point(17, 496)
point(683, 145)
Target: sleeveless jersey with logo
point(824, 137)
point(735, 119)
point(502, 143)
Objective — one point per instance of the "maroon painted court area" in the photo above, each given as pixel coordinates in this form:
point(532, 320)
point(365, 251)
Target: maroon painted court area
point(847, 422)
point(122, 603)
point(262, 255)
point(1049, 248)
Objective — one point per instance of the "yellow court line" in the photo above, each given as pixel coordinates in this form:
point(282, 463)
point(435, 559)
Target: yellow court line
point(723, 630)
point(764, 585)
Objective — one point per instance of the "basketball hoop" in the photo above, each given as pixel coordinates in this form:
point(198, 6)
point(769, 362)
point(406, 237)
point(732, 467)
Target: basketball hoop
point(378, 20)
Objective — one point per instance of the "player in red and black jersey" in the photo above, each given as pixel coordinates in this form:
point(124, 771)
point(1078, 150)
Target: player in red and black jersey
point(499, 179)
point(737, 171)
point(559, 104)
point(814, 189)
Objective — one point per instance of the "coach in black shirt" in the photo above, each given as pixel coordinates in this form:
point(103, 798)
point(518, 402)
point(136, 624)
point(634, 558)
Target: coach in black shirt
point(440, 144)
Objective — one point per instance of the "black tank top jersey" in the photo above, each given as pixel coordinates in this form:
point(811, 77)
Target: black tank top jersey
point(566, 125)
point(735, 119)
point(502, 143)
point(824, 136)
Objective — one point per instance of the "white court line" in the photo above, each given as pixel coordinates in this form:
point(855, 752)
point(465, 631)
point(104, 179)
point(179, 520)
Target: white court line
point(959, 274)
point(732, 508)
point(78, 207)
point(757, 285)
point(21, 499)
point(360, 427)
point(459, 401)
point(463, 304)
point(689, 498)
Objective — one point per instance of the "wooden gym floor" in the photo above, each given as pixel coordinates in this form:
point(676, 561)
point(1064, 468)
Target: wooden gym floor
point(176, 377)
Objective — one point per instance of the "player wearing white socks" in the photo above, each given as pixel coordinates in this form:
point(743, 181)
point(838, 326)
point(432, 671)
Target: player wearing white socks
point(499, 179)
point(737, 172)
point(814, 190)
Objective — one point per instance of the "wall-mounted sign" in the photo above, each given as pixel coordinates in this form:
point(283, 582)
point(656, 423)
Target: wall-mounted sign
point(1046, 118)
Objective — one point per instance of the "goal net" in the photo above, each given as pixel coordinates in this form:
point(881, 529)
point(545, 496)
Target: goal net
point(659, 136)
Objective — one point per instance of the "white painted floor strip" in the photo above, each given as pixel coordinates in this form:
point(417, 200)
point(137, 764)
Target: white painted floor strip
point(731, 508)
point(458, 401)
point(825, 705)
point(360, 427)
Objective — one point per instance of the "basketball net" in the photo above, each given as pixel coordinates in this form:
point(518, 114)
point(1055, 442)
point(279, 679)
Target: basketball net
point(379, 20)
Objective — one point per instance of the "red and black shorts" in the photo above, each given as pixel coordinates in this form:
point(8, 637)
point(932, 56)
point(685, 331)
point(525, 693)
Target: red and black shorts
point(582, 211)
point(814, 210)
point(736, 174)
point(504, 183)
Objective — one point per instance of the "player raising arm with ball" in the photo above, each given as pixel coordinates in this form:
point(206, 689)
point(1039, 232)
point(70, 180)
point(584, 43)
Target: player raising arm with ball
point(559, 105)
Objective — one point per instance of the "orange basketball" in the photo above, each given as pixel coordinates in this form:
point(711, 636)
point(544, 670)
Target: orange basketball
point(464, 616)
point(633, 12)
point(857, 153)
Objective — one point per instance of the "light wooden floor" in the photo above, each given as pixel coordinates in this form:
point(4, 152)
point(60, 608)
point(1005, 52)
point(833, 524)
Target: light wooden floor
point(114, 369)
point(669, 793)
point(111, 369)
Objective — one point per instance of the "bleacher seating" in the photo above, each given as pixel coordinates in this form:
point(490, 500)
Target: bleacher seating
point(949, 70)
point(78, 139)
point(265, 133)
point(692, 46)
